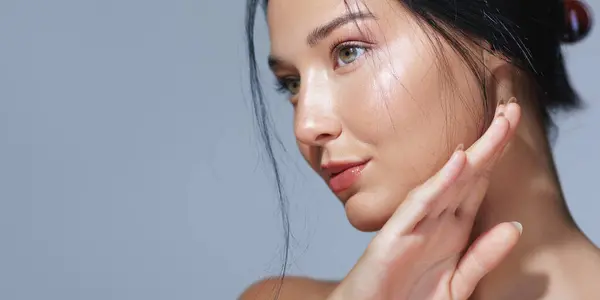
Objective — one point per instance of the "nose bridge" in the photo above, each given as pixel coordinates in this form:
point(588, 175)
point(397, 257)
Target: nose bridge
point(316, 118)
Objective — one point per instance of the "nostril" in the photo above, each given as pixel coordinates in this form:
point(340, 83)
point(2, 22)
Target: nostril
point(324, 137)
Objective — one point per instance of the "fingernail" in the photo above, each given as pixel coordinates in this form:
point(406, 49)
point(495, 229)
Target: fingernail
point(501, 102)
point(460, 147)
point(511, 100)
point(518, 226)
point(500, 108)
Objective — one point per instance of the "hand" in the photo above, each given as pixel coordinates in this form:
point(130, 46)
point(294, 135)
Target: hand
point(417, 253)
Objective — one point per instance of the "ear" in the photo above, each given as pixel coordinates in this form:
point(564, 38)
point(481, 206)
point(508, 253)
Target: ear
point(503, 79)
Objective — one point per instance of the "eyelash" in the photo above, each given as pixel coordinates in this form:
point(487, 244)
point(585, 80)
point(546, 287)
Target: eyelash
point(341, 44)
point(334, 50)
point(281, 85)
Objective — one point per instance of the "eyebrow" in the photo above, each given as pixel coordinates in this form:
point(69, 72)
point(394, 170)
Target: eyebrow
point(323, 31)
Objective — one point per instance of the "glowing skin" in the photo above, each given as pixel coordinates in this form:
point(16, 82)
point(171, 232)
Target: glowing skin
point(376, 89)
point(376, 106)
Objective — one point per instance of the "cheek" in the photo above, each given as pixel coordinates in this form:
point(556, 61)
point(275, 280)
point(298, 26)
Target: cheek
point(428, 112)
point(414, 115)
point(418, 108)
point(391, 101)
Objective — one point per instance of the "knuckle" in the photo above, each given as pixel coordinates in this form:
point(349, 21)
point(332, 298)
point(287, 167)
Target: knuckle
point(478, 266)
point(382, 245)
point(425, 205)
point(414, 193)
point(486, 174)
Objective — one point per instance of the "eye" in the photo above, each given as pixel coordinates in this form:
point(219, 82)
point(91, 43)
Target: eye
point(289, 85)
point(347, 54)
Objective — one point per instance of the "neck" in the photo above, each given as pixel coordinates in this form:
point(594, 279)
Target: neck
point(524, 188)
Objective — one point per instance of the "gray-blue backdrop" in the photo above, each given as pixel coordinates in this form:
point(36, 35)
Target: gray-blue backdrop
point(130, 169)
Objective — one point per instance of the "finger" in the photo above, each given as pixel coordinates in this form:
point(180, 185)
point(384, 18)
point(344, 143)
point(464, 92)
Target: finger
point(452, 197)
point(511, 111)
point(422, 199)
point(483, 171)
point(456, 194)
point(481, 153)
point(495, 139)
point(485, 148)
point(482, 257)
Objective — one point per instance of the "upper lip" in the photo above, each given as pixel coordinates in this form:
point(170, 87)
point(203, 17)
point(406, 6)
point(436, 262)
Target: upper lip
point(335, 167)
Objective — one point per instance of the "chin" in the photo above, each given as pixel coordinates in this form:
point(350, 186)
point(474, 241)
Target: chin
point(367, 214)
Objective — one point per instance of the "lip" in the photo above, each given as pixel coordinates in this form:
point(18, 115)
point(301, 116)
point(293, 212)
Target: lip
point(342, 175)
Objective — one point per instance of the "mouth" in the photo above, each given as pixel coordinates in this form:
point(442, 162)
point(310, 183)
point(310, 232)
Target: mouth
point(342, 176)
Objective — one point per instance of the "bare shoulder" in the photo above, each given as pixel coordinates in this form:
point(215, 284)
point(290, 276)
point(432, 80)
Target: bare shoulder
point(292, 288)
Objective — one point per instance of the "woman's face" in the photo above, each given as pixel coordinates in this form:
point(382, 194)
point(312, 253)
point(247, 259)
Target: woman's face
point(373, 99)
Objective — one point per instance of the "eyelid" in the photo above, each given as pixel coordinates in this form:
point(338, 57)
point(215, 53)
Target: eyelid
point(355, 32)
point(335, 50)
point(281, 84)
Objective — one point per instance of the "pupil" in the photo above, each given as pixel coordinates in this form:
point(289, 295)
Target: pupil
point(349, 53)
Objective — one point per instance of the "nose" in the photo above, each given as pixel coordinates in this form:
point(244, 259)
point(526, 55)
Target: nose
point(316, 122)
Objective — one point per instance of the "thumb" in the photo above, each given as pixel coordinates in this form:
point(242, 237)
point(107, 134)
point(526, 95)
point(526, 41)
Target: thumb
point(483, 256)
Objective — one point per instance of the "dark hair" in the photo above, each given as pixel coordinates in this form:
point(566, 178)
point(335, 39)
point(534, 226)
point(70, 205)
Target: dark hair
point(527, 33)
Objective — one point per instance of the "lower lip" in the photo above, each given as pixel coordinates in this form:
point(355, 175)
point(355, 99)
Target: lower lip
point(344, 180)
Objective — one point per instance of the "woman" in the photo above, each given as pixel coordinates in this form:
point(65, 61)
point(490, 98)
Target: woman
point(387, 95)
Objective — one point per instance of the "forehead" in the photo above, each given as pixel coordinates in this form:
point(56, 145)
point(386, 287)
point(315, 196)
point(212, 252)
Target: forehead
point(294, 18)
point(281, 12)
point(291, 21)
